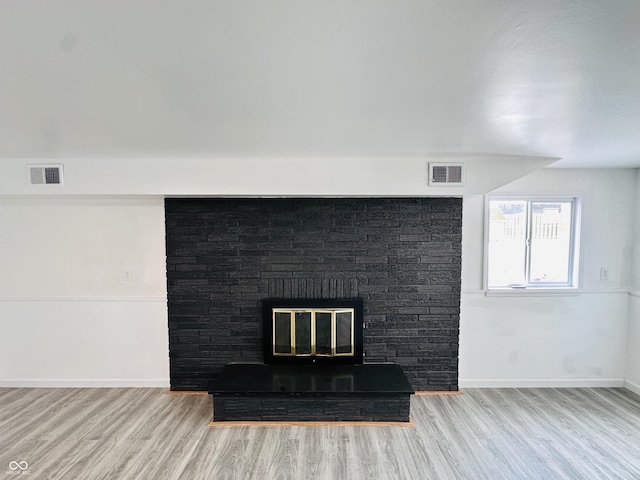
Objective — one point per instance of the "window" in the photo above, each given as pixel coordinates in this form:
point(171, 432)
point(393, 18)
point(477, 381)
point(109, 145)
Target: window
point(532, 242)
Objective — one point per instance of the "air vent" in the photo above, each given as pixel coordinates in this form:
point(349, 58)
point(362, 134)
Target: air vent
point(47, 174)
point(446, 174)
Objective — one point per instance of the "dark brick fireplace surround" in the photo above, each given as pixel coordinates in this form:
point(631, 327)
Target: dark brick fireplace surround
point(402, 256)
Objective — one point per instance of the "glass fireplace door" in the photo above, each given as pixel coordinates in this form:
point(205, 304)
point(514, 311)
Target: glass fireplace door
point(313, 332)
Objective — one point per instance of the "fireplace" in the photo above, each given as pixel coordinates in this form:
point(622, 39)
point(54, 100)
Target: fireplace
point(312, 370)
point(312, 331)
point(401, 256)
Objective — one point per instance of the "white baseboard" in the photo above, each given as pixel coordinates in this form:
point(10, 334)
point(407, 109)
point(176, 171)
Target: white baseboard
point(85, 383)
point(542, 383)
point(633, 387)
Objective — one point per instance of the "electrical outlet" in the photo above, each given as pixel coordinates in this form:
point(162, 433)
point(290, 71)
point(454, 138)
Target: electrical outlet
point(127, 274)
point(604, 273)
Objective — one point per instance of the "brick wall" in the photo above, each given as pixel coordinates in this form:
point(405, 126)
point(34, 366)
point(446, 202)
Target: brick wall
point(400, 255)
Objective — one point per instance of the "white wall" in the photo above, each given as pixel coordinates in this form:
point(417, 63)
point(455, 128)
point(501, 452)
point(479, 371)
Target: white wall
point(632, 374)
point(397, 176)
point(68, 316)
point(633, 337)
point(525, 340)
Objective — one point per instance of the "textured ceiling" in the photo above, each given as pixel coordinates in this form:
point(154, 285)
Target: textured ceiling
point(312, 79)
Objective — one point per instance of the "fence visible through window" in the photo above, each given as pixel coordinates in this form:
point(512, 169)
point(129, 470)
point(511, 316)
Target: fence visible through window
point(530, 243)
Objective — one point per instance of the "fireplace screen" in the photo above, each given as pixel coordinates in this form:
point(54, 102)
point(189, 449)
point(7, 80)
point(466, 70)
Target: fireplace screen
point(299, 331)
point(313, 332)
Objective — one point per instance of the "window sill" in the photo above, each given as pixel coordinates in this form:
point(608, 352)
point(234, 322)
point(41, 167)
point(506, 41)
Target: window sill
point(534, 292)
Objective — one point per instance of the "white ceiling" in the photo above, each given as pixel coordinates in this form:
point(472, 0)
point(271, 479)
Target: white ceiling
point(321, 78)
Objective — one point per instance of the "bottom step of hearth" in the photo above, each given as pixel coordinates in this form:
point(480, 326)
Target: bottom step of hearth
point(352, 393)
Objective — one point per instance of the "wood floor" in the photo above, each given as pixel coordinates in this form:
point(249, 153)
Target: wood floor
point(481, 434)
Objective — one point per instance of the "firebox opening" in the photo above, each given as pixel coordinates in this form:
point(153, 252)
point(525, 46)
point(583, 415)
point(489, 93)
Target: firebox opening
point(312, 331)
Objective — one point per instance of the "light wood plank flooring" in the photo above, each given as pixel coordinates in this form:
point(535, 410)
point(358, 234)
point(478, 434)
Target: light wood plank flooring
point(481, 434)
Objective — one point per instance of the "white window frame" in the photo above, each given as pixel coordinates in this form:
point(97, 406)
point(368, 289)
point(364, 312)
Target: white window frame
point(574, 284)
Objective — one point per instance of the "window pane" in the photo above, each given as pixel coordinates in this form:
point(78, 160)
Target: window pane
point(507, 242)
point(550, 242)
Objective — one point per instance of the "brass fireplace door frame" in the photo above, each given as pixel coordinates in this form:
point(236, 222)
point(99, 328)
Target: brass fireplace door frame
point(279, 313)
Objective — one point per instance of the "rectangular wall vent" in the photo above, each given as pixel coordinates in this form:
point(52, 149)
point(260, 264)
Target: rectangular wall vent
point(46, 174)
point(451, 174)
